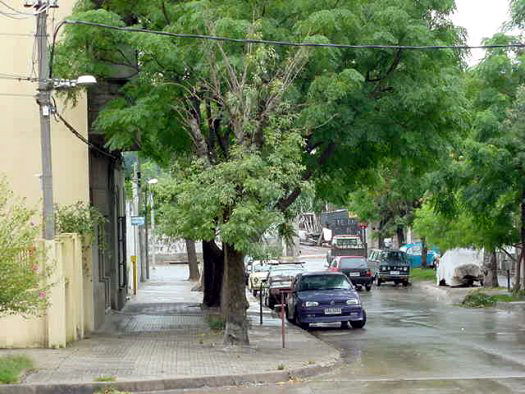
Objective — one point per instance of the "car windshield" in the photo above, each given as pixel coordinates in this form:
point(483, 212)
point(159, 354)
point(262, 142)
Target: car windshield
point(348, 243)
point(347, 263)
point(261, 268)
point(285, 272)
point(394, 256)
point(324, 282)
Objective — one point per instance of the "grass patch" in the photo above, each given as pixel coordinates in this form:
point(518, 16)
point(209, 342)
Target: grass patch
point(12, 367)
point(422, 274)
point(479, 299)
point(104, 378)
point(216, 323)
point(280, 367)
point(111, 390)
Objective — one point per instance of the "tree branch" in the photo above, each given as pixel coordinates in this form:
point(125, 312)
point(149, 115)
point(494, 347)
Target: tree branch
point(284, 203)
point(391, 69)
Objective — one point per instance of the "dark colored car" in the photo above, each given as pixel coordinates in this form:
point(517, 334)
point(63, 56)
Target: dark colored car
point(325, 297)
point(356, 268)
point(390, 266)
point(280, 280)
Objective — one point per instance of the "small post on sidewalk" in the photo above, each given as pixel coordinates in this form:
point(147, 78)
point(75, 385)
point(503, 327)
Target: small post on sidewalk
point(282, 317)
point(135, 274)
point(508, 280)
point(260, 305)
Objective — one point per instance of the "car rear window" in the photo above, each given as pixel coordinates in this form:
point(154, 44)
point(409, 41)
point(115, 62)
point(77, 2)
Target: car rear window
point(347, 263)
point(324, 282)
point(395, 256)
point(348, 243)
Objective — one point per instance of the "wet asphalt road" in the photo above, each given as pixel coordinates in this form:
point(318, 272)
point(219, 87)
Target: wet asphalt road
point(415, 343)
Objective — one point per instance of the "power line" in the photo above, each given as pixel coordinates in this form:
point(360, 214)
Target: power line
point(286, 43)
point(44, 8)
point(17, 34)
point(18, 77)
point(81, 137)
point(16, 95)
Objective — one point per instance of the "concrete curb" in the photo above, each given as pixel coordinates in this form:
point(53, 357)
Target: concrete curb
point(173, 383)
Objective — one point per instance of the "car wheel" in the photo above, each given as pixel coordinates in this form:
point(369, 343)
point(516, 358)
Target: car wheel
point(481, 282)
point(344, 324)
point(379, 281)
point(442, 282)
point(254, 292)
point(270, 303)
point(368, 287)
point(405, 283)
point(359, 323)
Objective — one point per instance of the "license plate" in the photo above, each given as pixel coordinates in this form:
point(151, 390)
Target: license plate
point(394, 272)
point(332, 311)
point(354, 273)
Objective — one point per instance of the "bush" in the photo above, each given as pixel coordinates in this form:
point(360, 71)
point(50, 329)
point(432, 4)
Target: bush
point(478, 299)
point(78, 218)
point(23, 274)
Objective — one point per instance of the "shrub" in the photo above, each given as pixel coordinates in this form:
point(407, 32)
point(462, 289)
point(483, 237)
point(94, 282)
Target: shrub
point(78, 218)
point(478, 299)
point(23, 271)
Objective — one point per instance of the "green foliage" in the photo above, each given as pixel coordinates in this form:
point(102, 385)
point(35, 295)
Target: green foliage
point(479, 299)
point(105, 378)
point(23, 269)
point(79, 218)
point(358, 106)
point(12, 367)
point(216, 323)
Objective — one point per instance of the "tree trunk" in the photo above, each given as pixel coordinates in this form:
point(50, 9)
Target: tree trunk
point(234, 303)
point(193, 264)
point(491, 275)
point(213, 270)
point(424, 253)
point(400, 236)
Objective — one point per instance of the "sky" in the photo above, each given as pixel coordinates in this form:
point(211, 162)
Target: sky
point(481, 18)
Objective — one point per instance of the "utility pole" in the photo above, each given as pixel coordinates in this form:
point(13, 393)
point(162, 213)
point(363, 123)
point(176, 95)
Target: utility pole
point(43, 99)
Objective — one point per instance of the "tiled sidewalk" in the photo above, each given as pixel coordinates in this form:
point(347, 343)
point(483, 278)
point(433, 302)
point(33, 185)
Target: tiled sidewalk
point(163, 334)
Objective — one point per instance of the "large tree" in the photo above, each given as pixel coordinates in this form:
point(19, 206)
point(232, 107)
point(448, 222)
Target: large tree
point(245, 128)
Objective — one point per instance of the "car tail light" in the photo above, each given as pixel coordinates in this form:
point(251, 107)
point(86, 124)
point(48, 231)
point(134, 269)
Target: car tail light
point(369, 273)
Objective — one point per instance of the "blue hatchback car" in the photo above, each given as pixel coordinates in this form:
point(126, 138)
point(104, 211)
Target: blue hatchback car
point(325, 297)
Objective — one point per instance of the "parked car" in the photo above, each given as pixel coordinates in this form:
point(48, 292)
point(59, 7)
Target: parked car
point(346, 245)
point(257, 277)
point(324, 297)
point(390, 265)
point(460, 267)
point(413, 252)
point(280, 280)
point(356, 268)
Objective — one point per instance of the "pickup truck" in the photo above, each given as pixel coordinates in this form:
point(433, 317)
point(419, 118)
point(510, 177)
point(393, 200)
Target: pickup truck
point(346, 245)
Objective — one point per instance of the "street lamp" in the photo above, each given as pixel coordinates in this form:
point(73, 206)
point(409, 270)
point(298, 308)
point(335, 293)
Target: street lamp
point(152, 182)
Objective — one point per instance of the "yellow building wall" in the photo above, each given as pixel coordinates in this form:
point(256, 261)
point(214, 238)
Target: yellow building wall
point(20, 158)
point(71, 301)
point(68, 314)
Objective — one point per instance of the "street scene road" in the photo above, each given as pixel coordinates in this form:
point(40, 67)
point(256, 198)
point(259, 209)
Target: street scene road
point(415, 341)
